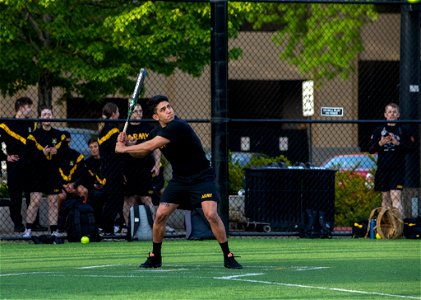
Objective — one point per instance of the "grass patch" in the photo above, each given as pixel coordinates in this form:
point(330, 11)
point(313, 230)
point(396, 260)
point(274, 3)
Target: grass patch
point(278, 268)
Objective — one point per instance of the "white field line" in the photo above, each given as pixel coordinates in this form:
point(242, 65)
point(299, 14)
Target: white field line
point(232, 277)
point(305, 268)
point(27, 273)
point(238, 278)
point(96, 267)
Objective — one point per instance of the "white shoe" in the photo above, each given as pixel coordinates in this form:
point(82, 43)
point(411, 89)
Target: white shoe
point(57, 233)
point(27, 233)
point(169, 229)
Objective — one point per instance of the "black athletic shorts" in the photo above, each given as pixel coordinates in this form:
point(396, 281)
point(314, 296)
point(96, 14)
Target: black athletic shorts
point(388, 180)
point(191, 191)
point(45, 179)
point(139, 184)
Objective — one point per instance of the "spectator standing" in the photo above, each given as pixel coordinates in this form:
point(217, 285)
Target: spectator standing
point(392, 142)
point(193, 182)
point(139, 171)
point(42, 150)
point(111, 168)
point(14, 134)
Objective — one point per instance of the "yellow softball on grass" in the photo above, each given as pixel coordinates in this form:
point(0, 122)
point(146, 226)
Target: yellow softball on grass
point(84, 240)
point(378, 236)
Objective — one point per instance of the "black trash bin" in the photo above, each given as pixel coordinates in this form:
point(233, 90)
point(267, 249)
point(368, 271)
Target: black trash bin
point(281, 196)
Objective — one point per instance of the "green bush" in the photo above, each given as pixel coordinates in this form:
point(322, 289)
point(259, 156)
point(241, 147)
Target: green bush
point(4, 192)
point(236, 172)
point(353, 200)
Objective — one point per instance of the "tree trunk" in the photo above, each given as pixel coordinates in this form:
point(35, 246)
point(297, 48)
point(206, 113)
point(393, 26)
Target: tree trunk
point(45, 90)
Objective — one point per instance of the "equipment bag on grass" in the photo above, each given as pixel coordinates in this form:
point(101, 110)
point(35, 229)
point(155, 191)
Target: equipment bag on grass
point(389, 224)
point(316, 225)
point(140, 223)
point(197, 227)
point(359, 229)
point(81, 222)
point(412, 228)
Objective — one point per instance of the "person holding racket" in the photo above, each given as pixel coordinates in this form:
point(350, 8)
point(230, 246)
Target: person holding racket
point(193, 182)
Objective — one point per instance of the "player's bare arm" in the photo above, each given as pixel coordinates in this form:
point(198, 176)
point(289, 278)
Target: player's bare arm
point(157, 165)
point(140, 150)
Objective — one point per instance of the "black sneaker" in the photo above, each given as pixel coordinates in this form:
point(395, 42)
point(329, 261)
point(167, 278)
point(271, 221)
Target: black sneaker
point(152, 261)
point(231, 263)
point(19, 228)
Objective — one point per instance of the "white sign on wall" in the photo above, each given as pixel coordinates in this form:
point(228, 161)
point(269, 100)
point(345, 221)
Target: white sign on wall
point(283, 143)
point(245, 143)
point(308, 98)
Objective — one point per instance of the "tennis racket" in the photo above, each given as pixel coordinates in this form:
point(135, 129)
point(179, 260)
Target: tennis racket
point(135, 97)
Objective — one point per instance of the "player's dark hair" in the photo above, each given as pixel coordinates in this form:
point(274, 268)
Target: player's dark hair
point(92, 140)
point(108, 109)
point(155, 100)
point(44, 107)
point(22, 101)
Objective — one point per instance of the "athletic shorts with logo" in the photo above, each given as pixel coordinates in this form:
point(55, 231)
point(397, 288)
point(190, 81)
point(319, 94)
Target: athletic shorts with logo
point(191, 191)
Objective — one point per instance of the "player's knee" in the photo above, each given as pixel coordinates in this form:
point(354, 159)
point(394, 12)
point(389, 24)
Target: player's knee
point(161, 218)
point(212, 216)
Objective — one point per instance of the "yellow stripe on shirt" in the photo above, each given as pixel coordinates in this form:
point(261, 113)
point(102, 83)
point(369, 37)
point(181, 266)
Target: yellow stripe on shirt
point(108, 135)
point(12, 133)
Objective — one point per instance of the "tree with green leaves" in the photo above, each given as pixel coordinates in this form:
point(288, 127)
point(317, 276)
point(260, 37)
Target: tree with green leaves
point(322, 40)
point(95, 48)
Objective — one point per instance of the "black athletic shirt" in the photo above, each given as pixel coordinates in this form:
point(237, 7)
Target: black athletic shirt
point(111, 162)
point(184, 152)
point(14, 135)
point(139, 133)
point(391, 157)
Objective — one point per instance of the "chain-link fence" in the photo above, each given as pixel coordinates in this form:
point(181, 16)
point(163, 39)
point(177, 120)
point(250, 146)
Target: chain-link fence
point(307, 87)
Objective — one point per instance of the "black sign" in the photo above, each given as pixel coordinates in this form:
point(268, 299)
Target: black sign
point(332, 111)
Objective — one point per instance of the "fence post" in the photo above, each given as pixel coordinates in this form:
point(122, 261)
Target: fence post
point(410, 82)
point(219, 83)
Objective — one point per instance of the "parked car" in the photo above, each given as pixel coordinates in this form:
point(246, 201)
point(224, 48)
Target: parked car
point(80, 138)
point(242, 158)
point(360, 163)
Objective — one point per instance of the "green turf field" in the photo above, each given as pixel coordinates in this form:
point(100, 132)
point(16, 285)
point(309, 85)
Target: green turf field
point(278, 268)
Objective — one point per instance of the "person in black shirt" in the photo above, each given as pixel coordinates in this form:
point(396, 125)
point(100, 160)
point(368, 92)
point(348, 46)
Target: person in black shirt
point(112, 169)
point(72, 173)
point(139, 171)
point(14, 135)
point(43, 151)
point(392, 142)
point(94, 181)
point(193, 183)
